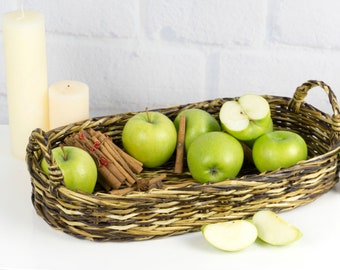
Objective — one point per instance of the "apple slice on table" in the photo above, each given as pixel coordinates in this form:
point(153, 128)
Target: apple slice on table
point(274, 230)
point(231, 235)
point(246, 118)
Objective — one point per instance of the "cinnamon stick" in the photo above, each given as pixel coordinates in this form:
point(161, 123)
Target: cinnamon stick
point(248, 157)
point(180, 145)
point(122, 191)
point(103, 183)
point(156, 182)
point(142, 185)
point(112, 175)
point(119, 166)
point(135, 165)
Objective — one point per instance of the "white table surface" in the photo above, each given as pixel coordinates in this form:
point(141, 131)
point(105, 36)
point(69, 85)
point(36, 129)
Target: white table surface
point(28, 242)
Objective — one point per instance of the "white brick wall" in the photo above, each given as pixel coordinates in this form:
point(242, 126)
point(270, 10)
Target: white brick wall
point(206, 22)
point(155, 53)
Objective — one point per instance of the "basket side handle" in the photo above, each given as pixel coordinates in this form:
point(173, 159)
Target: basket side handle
point(39, 147)
point(301, 93)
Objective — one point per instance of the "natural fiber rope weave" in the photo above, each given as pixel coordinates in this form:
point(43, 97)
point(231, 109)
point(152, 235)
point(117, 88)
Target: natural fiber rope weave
point(184, 205)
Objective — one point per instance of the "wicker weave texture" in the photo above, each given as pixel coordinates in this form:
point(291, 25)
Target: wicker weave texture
point(183, 205)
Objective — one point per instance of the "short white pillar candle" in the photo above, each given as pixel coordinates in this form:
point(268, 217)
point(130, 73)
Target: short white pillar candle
point(68, 103)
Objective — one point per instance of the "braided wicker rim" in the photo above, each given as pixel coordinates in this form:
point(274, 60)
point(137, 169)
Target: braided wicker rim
point(184, 205)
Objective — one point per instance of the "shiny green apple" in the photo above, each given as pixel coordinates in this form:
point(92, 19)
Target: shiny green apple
point(150, 137)
point(197, 122)
point(215, 156)
point(77, 166)
point(247, 117)
point(278, 149)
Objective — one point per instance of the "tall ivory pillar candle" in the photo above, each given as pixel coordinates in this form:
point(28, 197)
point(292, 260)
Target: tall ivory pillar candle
point(26, 76)
point(68, 103)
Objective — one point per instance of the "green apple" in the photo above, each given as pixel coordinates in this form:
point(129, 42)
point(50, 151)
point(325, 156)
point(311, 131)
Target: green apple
point(197, 122)
point(247, 117)
point(215, 156)
point(77, 166)
point(274, 230)
point(150, 137)
point(230, 235)
point(278, 149)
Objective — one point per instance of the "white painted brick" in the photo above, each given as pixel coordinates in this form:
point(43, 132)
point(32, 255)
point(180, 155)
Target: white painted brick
point(213, 22)
point(3, 94)
point(310, 23)
point(6, 6)
point(278, 72)
point(3, 109)
point(112, 18)
point(155, 78)
point(128, 77)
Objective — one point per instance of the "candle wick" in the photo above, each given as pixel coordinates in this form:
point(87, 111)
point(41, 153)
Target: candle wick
point(21, 7)
point(68, 85)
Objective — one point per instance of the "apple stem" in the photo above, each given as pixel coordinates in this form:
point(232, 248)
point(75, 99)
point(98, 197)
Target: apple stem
point(64, 152)
point(147, 114)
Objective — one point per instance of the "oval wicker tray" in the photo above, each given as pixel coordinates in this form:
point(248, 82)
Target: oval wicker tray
point(183, 205)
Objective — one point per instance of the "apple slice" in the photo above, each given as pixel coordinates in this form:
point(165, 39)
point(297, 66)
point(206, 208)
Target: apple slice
point(273, 230)
point(246, 118)
point(231, 235)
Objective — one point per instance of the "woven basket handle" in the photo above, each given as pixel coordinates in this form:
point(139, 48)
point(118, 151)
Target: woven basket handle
point(39, 146)
point(301, 93)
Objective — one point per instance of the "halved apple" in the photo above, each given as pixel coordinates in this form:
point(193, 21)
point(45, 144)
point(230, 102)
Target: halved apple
point(230, 235)
point(247, 117)
point(274, 230)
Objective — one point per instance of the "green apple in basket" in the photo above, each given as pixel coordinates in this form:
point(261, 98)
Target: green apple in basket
point(150, 137)
point(77, 166)
point(247, 117)
point(197, 122)
point(215, 156)
point(278, 149)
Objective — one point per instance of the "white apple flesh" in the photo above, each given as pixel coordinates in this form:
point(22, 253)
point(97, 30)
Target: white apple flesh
point(246, 118)
point(274, 230)
point(231, 235)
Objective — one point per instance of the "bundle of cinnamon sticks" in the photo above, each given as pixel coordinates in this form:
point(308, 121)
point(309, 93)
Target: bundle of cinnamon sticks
point(115, 166)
